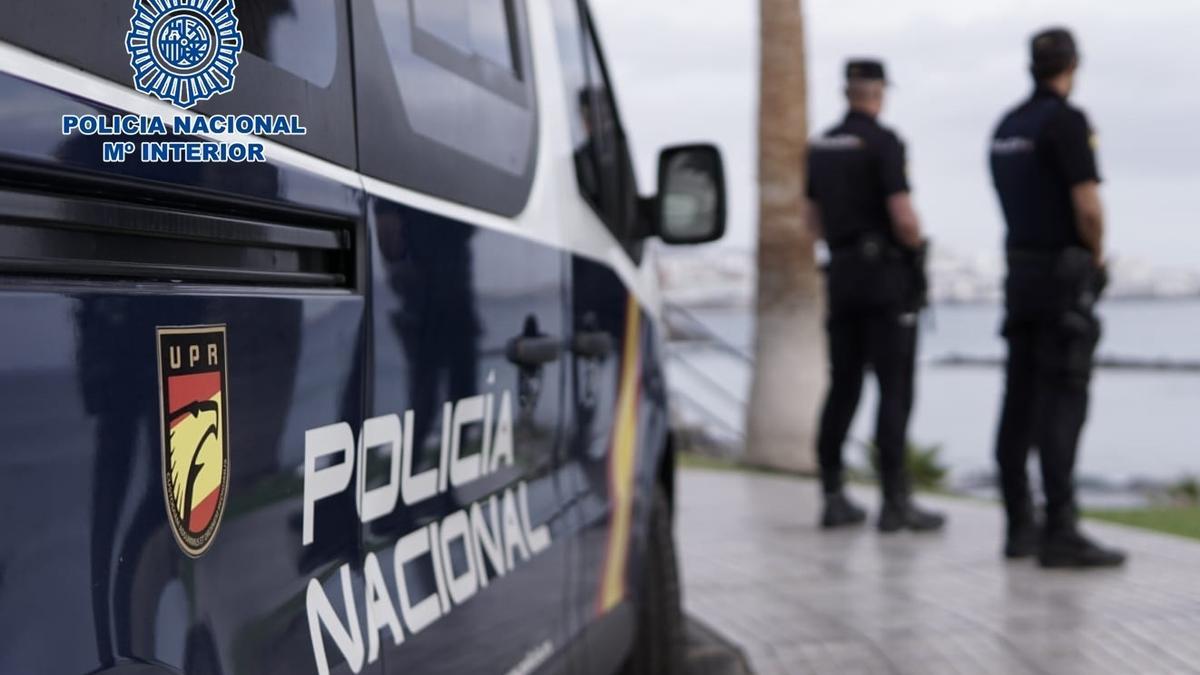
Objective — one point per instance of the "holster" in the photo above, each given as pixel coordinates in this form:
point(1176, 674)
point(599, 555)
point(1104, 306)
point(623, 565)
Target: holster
point(875, 270)
point(1082, 285)
point(1082, 282)
point(1061, 289)
point(918, 263)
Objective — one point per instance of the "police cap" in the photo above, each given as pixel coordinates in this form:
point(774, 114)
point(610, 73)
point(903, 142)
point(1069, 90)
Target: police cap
point(865, 69)
point(1053, 51)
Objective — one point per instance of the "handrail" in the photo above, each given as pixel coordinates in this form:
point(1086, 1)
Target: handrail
point(698, 334)
point(716, 386)
point(740, 434)
point(707, 334)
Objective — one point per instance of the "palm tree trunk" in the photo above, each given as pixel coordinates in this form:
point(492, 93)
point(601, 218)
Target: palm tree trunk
point(790, 371)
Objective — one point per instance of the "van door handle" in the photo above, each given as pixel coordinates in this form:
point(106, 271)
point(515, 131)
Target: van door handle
point(533, 351)
point(592, 345)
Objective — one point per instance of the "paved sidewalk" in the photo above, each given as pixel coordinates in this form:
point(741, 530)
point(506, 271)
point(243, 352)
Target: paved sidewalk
point(798, 600)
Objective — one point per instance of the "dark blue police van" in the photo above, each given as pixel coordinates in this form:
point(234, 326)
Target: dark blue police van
point(389, 401)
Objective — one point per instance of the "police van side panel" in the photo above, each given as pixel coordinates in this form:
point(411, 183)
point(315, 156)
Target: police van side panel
point(443, 404)
point(97, 259)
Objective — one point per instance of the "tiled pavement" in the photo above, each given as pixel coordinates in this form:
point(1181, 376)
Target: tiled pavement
point(798, 600)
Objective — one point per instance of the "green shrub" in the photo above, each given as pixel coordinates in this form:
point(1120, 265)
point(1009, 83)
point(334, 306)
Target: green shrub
point(925, 467)
point(1185, 491)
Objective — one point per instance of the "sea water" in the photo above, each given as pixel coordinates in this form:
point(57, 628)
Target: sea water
point(1142, 424)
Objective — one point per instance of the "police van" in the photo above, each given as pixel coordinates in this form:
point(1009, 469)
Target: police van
point(329, 342)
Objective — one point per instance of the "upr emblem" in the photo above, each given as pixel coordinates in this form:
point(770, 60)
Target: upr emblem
point(195, 422)
point(183, 51)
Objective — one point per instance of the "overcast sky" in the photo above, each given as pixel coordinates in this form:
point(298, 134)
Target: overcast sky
point(687, 70)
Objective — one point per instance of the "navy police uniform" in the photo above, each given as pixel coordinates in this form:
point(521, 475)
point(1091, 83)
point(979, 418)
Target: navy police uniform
point(1040, 151)
point(873, 294)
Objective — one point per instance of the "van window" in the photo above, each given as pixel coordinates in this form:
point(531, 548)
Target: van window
point(476, 28)
point(602, 162)
point(569, 31)
point(274, 29)
point(296, 59)
point(451, 112)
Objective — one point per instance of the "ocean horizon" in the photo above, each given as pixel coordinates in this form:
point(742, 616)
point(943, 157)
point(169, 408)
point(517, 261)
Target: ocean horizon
point(1141, 422)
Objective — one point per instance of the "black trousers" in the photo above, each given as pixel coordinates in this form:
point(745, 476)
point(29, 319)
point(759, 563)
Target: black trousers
point(1045, 406)
point(884, 337)
point(1050, 359)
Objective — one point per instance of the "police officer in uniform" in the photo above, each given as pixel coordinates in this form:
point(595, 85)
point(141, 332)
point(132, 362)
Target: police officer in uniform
point(859, 203)
point(1045, 173)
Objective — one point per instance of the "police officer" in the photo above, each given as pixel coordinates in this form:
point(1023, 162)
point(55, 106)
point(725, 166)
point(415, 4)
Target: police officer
point(1045, 173)
point(859, 203)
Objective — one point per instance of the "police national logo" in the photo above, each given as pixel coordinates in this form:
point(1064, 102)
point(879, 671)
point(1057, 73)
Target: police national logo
point(194, 400)
point(184, 51)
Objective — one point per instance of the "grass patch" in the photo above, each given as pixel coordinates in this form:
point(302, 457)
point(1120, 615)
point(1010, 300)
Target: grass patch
point(690, 460)
point(1183, 521)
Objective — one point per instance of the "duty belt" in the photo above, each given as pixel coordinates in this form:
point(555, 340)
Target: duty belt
point(869, 248)
point(1072, 269)
point(1034, 256)
point(1074, 258)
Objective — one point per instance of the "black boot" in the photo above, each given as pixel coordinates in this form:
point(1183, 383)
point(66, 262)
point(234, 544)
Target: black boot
point(841, 512)
point(1067, 548)
point(1024, 532)
point(906, 515)
point(1022, 540)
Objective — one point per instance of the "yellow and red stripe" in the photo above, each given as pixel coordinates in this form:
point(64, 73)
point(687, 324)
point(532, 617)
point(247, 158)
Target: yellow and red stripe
point(622, 464)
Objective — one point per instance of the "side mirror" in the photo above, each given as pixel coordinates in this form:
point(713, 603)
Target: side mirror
point(690, 207)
